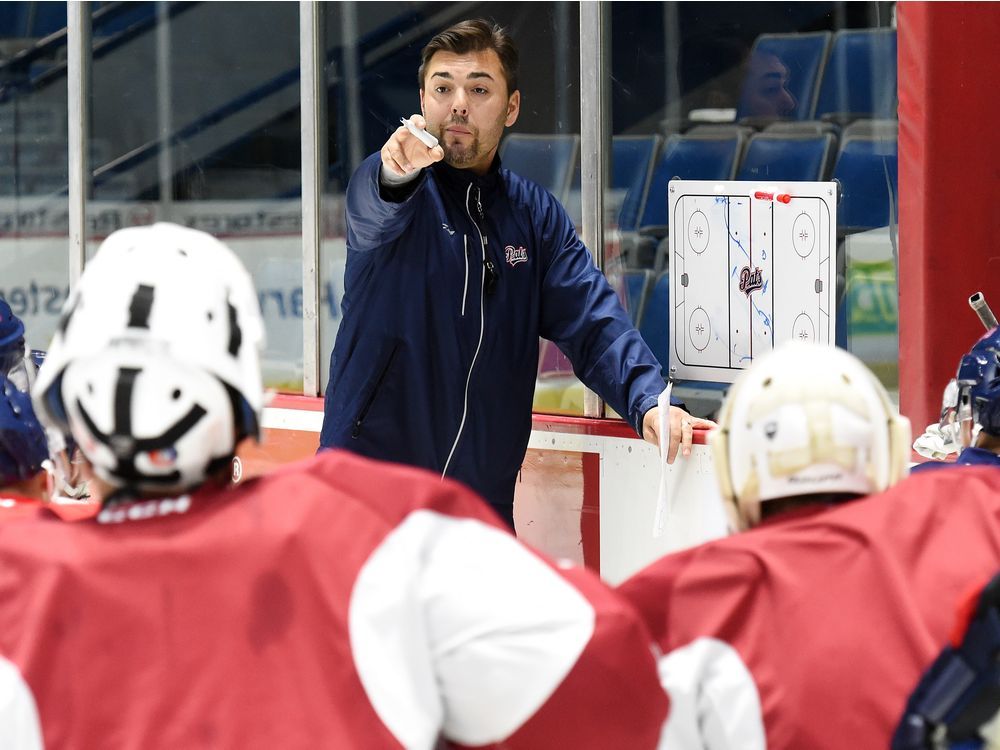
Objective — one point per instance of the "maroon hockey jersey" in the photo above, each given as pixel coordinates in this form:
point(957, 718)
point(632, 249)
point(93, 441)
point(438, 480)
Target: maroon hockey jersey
point(336, 603)
point(811, 631)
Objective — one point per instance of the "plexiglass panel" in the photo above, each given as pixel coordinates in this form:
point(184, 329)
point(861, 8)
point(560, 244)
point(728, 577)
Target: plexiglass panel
point(373, 52)
point(763, 92)
point(34, 221)
point(195, 120)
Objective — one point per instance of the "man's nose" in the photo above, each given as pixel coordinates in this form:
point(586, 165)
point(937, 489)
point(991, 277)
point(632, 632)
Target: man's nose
point(459, 104)
point(790, 101)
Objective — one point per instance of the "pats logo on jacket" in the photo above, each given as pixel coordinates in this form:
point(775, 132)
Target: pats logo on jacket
point(515, 255)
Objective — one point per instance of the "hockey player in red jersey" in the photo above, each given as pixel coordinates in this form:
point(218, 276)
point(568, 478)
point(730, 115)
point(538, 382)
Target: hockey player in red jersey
point(811, 629)
point(335, 603)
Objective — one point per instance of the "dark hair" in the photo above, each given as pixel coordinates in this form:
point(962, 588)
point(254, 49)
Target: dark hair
point(474, 36)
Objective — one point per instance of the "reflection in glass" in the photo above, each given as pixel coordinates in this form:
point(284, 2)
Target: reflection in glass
point(373, 52)
point(191, 123)
point(806, 91)
point(34, 220)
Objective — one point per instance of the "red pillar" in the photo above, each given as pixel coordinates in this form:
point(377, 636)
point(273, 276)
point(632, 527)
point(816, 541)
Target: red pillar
point(949, 190)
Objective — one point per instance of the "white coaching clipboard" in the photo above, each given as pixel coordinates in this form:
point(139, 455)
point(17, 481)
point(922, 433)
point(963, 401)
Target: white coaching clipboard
point(751, 265)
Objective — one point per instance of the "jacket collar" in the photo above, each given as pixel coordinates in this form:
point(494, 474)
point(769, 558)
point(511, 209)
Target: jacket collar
point(458, 179)
point(973, 455)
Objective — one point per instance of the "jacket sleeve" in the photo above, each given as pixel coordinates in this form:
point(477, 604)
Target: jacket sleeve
point(493, 646)
point(372, 220)
point(582, 314)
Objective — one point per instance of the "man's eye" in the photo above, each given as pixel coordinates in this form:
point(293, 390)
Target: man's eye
point(441, 89)
point(479, 90)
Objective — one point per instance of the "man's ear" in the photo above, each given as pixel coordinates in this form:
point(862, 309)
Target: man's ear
point(38, 485)
point(422, 112)
point(513, 108)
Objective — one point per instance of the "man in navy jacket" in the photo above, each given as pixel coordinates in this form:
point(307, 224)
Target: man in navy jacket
point(455, 267)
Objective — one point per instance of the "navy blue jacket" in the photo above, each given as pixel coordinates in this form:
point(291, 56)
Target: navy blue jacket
point(437, 353)
point(971, 456)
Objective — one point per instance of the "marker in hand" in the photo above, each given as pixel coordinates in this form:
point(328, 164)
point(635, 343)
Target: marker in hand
point(426, 138)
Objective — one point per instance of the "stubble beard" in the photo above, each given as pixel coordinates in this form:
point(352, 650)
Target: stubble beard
point(456, 154)
point(459, 155)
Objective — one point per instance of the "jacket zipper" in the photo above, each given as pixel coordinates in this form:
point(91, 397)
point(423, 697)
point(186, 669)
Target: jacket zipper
point(465, 288)
point(356, 432)
point(482, 323)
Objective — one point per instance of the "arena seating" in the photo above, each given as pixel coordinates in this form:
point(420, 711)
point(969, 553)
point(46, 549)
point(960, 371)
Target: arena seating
point(867, 168)
point(549, 160)
point(637, 285)
point(786, 156)
point(705, 155)
point(632, 160)
point(860, 76)
point(655, 323)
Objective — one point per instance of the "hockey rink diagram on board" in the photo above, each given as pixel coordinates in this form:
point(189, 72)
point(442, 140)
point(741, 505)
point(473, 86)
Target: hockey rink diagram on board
point(751, 265)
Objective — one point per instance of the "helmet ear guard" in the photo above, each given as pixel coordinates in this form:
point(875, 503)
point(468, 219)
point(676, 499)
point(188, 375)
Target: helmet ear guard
point(900, 440)
point(718, 441)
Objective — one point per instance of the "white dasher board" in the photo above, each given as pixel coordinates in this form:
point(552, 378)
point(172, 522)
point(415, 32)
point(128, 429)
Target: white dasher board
point(751, 265)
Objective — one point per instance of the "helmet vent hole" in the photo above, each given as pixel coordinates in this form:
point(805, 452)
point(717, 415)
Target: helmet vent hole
point(182, 251)
point(845, 378)
point(176, 394)
point(90, 388)
point(767, 383)
point(210, 316)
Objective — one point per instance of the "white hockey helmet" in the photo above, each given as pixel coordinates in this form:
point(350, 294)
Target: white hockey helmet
point(154, 368)
point(807, 419)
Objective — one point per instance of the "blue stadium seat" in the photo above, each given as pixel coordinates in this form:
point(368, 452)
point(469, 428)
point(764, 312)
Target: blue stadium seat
point(860, 76)
point(632, 160)
point(14, 19)
point(124, 17)
point(780, 157)
point(637, 283)
point(549, 160)
point(702, 156)
point(47, 18)
point(655, 322)
point(803, 57)
point(867, 169)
